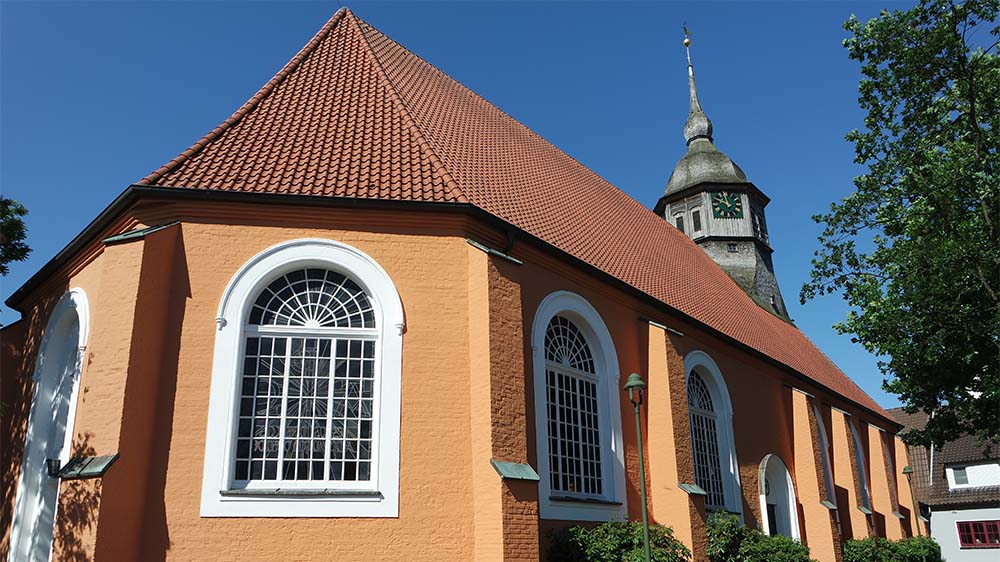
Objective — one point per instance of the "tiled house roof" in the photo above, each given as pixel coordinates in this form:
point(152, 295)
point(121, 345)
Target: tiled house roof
point(929, 480)
point(355, 114)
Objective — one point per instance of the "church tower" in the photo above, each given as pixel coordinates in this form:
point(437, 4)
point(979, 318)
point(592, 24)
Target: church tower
point(709, 198)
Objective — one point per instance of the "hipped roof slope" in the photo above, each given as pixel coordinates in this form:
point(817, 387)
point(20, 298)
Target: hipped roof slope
point(355, 114)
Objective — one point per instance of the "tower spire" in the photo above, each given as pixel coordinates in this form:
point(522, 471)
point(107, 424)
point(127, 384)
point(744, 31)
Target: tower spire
point(698, 124)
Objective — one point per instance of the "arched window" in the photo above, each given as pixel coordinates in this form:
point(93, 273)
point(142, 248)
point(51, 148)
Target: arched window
point(305, 399)
point(705, 442)
point(712, 442)
point(824, 445)
point(577, 421)
point(574, 418)
point(865, 498)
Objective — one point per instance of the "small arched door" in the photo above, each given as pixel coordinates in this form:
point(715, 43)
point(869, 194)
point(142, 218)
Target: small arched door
point(779, 509)
point(50, 431)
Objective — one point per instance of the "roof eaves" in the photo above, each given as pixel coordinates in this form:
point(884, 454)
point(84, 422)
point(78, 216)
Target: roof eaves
point(252, 103)
point(418, 134)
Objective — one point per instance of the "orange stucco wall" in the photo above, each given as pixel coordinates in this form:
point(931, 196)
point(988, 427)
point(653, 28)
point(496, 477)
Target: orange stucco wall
point(466, 396)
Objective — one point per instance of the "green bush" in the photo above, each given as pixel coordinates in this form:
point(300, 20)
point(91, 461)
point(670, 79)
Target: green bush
point(726, 536)
point(877, 549)
point(918, 549)
point(730, 541)
point(775, 548)
point(616, 541)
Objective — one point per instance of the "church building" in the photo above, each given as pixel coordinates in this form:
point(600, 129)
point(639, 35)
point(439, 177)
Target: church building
point(371, 316)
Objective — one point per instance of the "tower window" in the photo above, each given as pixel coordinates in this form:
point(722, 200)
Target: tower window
point(759, 227)
point(696, 220)
point(679, 221)
point(732, 248)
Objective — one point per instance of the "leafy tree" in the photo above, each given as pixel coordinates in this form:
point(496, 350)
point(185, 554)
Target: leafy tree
point(12, 233)
point(914, 250)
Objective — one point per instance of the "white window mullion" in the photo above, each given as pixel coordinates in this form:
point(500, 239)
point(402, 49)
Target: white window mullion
point(284, 404)
point(329, 408)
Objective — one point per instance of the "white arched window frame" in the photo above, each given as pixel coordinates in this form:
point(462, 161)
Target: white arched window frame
point(859, 460)
point(56, 381)
point(611, 502)
point(772, 465)
point(824, 445)
point(223, 495)
point(702, 363)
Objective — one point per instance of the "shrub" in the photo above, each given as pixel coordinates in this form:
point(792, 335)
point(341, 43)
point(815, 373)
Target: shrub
point(725, 537)
point(874, 549)
point(877, 549)
point(730, 541)
point(775, 548)
point(616, 541)
point(918, 549)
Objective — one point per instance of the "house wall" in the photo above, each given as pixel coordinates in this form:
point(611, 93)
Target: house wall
point(944, 529)
point(436, 492)
point(466, 397)
point(78, 504)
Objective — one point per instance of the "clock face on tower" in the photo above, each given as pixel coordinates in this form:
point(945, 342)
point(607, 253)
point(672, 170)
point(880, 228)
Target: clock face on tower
point(727, 205)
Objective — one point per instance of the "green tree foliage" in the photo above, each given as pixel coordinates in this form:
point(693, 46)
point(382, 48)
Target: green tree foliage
point(730, 541)
point(877, 549)
point(12, 233)
point(616, 541)
point(914, 250)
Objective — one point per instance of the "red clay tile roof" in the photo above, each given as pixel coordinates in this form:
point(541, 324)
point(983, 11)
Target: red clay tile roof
point(355, 114)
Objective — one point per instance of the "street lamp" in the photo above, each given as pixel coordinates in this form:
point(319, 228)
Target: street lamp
point(636, 387)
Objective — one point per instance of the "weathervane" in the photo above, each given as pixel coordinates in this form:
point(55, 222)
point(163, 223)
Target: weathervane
point(687, 42)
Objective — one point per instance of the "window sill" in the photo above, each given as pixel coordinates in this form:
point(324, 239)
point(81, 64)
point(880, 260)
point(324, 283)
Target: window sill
point(300, 493)
point(577, 499)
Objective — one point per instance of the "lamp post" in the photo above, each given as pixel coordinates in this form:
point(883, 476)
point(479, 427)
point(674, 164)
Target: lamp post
point(908, 472)
point(636, 387)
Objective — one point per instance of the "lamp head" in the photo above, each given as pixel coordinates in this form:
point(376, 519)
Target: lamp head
point(635, 387)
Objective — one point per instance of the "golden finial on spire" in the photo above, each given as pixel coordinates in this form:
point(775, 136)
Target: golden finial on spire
point(687, 42)
point(698, 125)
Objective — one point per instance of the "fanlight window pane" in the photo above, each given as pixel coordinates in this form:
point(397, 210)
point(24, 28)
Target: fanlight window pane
point(572, 407)
point(566, 346)
point(307, 402)
point(705, 442)
point(313, 298)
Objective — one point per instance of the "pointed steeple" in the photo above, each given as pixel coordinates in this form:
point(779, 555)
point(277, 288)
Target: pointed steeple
point(698, 124)
point(703, 163)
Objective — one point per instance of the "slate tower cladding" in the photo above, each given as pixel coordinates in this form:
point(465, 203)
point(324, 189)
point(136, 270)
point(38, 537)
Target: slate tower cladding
point(710, 199)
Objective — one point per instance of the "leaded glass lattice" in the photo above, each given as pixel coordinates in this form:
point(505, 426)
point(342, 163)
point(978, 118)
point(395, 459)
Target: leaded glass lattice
point(705, 442)
point(572, 407)
point(313, 298)
point(566, 346)
point(307, 401)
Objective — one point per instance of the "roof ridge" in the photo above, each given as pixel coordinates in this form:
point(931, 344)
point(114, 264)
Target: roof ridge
point(422, 138)
point(515, 120)
point(251, 103)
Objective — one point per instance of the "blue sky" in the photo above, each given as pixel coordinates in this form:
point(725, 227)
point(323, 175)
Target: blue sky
point(95, 95)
